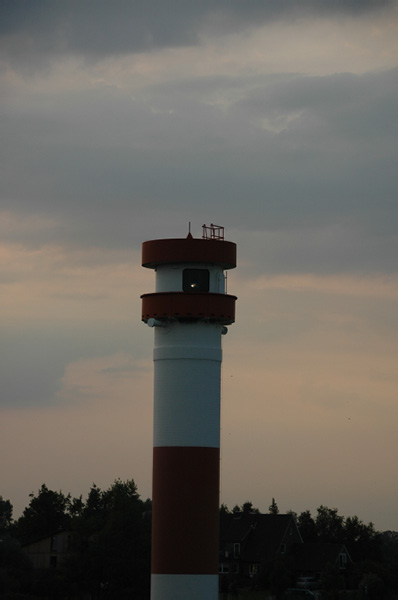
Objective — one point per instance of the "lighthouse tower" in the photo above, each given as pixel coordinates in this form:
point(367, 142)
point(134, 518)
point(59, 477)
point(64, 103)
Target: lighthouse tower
point(189, 312)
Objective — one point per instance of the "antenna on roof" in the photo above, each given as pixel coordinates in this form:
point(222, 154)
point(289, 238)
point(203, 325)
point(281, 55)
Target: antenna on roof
point(189, 236)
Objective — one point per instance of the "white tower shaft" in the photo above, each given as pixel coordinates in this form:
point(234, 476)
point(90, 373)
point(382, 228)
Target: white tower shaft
point(189, 311)
point(187, 362)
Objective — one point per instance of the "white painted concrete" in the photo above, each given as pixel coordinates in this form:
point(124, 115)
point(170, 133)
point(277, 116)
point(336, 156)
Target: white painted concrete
point(187, 365)
point(184, 587)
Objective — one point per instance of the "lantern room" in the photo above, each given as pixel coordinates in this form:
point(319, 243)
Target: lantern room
point(190, 277)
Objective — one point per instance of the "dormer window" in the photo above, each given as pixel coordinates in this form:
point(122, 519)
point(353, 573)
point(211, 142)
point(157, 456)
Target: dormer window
point(195, 280)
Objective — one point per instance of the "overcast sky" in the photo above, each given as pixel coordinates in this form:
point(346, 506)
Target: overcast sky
point(124, 121)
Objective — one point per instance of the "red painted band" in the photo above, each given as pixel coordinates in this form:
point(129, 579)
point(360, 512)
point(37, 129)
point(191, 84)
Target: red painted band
point(185, 510)
point(188, 250)
point(182, 305)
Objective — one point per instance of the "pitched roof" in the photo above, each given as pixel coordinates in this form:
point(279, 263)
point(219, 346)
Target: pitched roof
point(315, 556)
point(46, 537)
point(260, 535)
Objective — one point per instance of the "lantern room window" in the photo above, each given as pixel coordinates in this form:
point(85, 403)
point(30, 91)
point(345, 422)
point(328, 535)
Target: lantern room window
point(195, 280)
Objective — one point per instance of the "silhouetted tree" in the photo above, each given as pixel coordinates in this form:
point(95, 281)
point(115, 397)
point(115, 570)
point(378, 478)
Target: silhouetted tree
point(329, 525)
point(47, 513)
point(361, 540)
point(110, 555)
point(112, 543)
point(224, 510)
point(76, 507)
point(15, 567)
point(273, 508)
point(5, 514)
point(307, 527)
point(248, 508)
point(388, 544)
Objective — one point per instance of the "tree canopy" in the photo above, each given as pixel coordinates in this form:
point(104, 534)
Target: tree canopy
point(5, 514)
point(110, 532)
point(47, 513)
point(361, 540)
point(110, 541)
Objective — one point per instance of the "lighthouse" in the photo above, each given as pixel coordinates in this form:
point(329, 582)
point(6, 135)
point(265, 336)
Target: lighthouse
point(189, 312)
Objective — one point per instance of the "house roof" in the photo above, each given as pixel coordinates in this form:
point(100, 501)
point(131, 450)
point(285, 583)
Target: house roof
point(260, 535)
point(317, 555)
point(46, 537)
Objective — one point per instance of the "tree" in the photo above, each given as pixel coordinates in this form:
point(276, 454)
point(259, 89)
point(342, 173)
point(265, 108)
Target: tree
point(329, 525)
point(224, 510)
point(361, 540)
point(47, 513)
point(76, 507)
point(307, 527)
point(388, 541)
point(248, 508)
point(5, 514)
point(273, 508)
point(112, 542)
point(15, 568)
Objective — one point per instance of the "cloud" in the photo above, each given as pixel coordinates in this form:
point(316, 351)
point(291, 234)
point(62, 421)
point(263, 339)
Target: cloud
point(39, 366)
point(37, 32)
point(101, 378)
point(125, 121)
point(342, 247)
point(311, 155)
point(61, 304)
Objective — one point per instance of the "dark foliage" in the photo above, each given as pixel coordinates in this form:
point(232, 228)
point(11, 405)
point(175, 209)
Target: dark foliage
point(109, 555)
point(273, 508)
point(5, 514)
point(46, 514)
point(374, 554)
point(15, 568)
point(362, 541)
point(307, 527)
point(111, 552)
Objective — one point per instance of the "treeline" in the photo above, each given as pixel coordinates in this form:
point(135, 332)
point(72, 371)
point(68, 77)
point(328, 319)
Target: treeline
point(110, 544)
point(374, 570)
point(361, 539)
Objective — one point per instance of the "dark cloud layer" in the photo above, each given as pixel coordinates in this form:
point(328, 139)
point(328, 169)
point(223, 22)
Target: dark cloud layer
point(300, 152)
point(30, 31)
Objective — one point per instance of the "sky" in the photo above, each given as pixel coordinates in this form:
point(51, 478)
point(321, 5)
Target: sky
point(122, 122)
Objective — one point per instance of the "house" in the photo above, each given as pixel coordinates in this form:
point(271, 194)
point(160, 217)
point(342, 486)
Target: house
point(249, 539)
point(48, 552)
point(312, 560)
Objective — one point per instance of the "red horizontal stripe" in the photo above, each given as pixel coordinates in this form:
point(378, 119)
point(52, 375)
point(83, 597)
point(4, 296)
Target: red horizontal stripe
point(183, 305)
point(184, 250)
point(185, 510)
